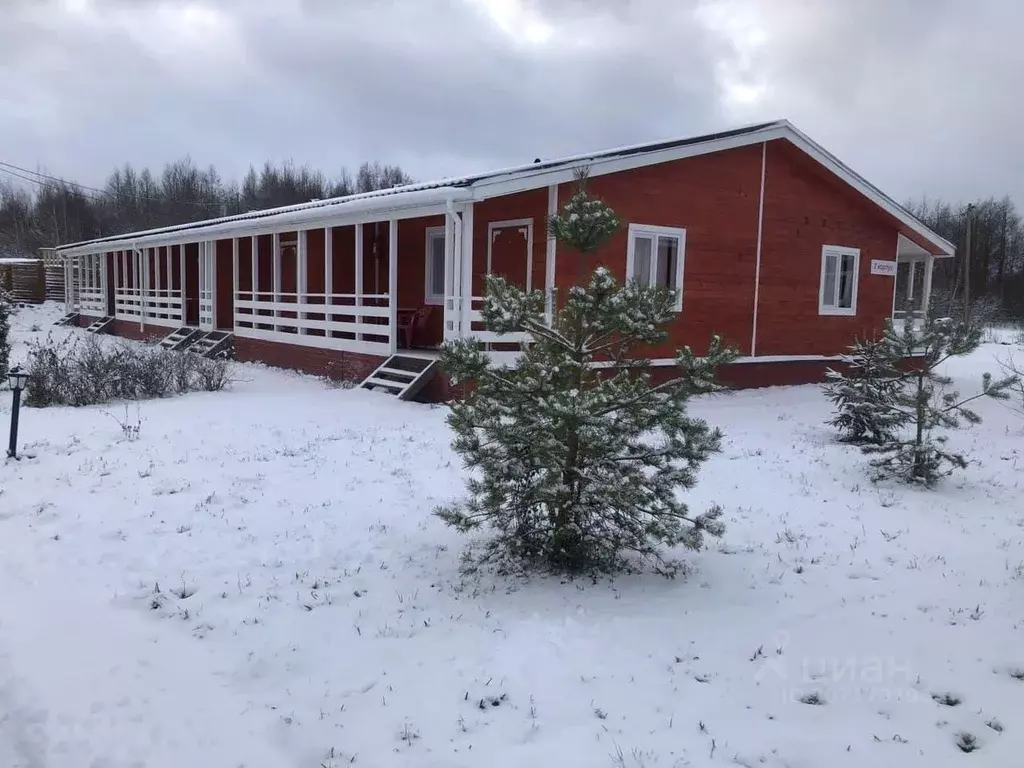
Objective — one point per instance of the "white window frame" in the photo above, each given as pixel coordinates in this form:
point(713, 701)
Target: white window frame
point(650, 230)
point(429, 297)
point(839, 251)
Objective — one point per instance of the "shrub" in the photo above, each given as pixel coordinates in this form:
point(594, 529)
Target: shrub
point(87, 370)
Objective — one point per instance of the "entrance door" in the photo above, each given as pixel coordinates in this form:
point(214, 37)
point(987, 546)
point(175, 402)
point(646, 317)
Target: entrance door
point(509, 252)
point(207, 285)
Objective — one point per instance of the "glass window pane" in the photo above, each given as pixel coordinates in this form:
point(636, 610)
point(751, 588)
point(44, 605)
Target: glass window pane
point(668, 252)
point(829, 287)
point(436, 265)
point(846, 278)
point(642, 247)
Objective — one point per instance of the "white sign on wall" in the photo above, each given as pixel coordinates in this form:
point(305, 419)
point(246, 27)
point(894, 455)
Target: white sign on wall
point(882, 267)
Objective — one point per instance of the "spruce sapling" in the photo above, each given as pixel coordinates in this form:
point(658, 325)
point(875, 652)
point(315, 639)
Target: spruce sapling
point(928, 405)
point(574, 465)
point(865, 395)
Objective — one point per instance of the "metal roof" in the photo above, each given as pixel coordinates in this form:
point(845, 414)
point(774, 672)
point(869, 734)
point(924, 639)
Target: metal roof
point(394, 196)
point(527, 175)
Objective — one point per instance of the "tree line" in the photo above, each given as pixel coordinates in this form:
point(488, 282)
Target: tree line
point(995, 258)
point(52, 211)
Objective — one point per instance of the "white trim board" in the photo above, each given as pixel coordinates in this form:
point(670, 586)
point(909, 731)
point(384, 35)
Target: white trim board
point(757, 260)
point(667, 362)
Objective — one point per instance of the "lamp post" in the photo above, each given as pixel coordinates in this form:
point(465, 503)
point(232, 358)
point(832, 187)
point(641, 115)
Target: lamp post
point(17, 378)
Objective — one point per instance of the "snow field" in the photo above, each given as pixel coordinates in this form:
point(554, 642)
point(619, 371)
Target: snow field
point(257, 580)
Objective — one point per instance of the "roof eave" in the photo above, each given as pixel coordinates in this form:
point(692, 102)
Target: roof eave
point(344, 211)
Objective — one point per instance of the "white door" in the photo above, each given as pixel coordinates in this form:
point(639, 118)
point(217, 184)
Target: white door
point(207, 285)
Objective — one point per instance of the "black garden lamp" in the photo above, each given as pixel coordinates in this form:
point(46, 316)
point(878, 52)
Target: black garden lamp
point(17, 378)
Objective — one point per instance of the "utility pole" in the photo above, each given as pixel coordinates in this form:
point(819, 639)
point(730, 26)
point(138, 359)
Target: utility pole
point(967, 264)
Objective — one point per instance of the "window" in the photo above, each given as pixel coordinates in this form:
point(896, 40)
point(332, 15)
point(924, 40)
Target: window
point(655, 256)
point(435, 266)
point(839, 269)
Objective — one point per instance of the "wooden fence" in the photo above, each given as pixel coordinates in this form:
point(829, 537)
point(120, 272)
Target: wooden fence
point(25, 280)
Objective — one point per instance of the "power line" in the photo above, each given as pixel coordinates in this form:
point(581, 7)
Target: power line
point(4, 166)
point(37, 181)
point(41, 175)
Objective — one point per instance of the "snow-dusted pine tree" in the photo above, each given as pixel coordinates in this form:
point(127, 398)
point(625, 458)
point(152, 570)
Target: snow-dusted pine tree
point(576, 458)
point(927, 403)
point(865, 394)
point(5, 333)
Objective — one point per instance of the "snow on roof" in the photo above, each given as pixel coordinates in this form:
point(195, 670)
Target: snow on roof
point(4, 260)
point(459, 188)
point(394, 196)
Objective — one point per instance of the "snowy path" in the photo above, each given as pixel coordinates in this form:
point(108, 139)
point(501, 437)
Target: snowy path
point(85, 683)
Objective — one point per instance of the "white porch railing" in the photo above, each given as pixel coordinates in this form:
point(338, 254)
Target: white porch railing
point(92, 302)
point(347, 322)
point(479, 330)
point(128, 303)
point(163, 307)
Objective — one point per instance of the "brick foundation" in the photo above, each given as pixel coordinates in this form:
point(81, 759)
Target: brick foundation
point(736, 376)
point(334, 364)
point(129, 329)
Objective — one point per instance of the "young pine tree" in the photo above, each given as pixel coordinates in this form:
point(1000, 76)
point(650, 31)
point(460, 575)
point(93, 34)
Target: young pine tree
point(927, 404)
point(572, 465)
point(865, 397)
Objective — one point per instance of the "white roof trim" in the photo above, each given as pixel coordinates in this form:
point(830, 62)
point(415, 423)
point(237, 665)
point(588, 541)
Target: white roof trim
point(364, 206)
point(522, 180)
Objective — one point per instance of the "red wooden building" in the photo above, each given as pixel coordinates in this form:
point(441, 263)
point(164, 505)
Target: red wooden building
point(769, 240)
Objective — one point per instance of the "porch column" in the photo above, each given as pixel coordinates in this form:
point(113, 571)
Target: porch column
point(169, 267)
point(549, 258)
point(144, 258)
point(328, 276)
point(234, 280)
point(158, 282)
point(104, 282)
point(211, 271)
point(276, 245)
point(359, 278)
point(393, 283)
point(300, 281)
point(453, 276)
point(255, 266)
point(910, 281)
point(466, 305)
point(926, 296)
point(449, 272)
point(181, 276)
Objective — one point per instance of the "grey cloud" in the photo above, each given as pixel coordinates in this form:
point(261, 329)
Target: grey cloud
point(922, 95)
point(919, 95)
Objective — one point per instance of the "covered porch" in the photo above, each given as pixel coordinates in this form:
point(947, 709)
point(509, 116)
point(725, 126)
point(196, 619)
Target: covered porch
point(372, 278)
point(404, 284)
point(913, 286)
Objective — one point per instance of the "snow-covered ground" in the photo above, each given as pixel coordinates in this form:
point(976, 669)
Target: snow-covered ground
point(257, 580)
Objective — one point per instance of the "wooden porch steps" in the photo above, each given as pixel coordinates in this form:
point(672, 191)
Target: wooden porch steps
point(213, 344)
point(100, 325)
point(402, 376)
point(71, 318)
point(181, 338)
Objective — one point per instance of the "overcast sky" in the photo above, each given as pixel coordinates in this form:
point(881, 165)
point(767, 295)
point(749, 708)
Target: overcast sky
point(921, 96)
